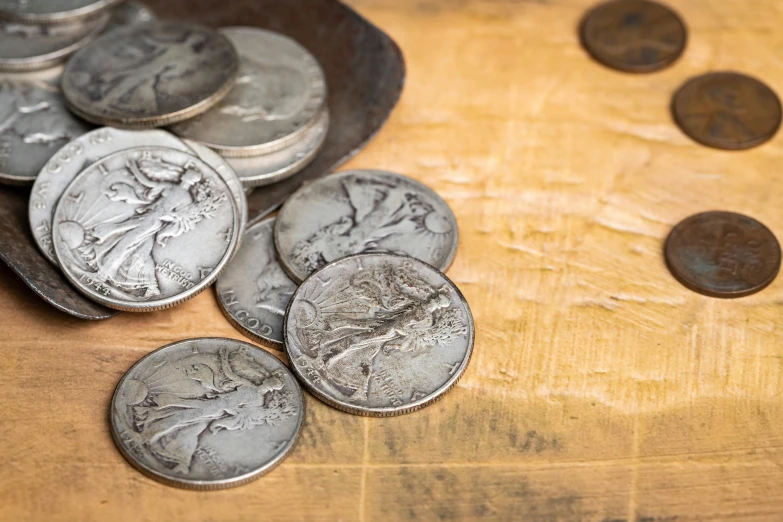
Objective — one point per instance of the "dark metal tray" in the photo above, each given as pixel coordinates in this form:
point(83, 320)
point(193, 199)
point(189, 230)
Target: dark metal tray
point(365, 72)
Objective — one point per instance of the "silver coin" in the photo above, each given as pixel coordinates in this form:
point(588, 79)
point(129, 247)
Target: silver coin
point(31, 47)
point(280, 93)
point(254, 290)
point(378, 334)
point(52, 11)
point(363, 211)
point(207, 413)
point(130, 13)
point(34, 124)
point(145, 229)
point(277, 166)
point(65, 164)
point(150, 75)
point(221, 166)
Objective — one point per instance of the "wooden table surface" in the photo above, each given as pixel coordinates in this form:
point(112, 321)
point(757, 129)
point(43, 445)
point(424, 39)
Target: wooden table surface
point(600, 390)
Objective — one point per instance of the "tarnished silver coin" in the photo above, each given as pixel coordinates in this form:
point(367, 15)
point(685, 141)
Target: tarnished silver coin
point(207, 413)
point(34, 124)
point(43, 12)
point(31, 47)
point(280, 93)
point(221, 166)
point(150, 75)
point(277, 166)
point(145, 229)
point(65, 164)
point(130, 13)
point(378, 334)
point(363, 211)
point(254, 290)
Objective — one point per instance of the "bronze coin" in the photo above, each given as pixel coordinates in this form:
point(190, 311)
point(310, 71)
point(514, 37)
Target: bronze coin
point(636, 36)
point(727, 110)
point(723, 254)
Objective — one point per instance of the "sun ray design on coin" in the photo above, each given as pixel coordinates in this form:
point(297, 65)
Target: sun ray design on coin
point(207, 413)
point(113, 228)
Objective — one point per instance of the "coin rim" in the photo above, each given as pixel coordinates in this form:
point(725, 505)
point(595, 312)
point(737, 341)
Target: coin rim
point(388, 411)
point(623, 67)
point(162, 304)
point(751, 144)
point(147, 122)
point(40, 176)
point(669, 257)
point(249, 151)
point(296, 167)
point(449, 259)
point(57, 57)
point(62, 17)
point(202, 485)
point(266, 341)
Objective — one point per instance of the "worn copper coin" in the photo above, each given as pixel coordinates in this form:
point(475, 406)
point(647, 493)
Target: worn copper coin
point(727, 110)
point(635, 36)
point(723, 254)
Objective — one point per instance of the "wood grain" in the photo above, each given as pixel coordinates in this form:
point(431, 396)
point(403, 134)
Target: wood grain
point(600, 390)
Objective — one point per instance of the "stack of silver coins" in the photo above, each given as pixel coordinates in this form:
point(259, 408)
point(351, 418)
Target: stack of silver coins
point(347, 279)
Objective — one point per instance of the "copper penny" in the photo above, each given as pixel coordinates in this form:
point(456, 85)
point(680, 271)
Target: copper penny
point(723, 254)
point(727, 110)
point(636, 36)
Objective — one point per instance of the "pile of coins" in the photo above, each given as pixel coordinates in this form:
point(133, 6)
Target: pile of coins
point(347, 279)
point(716, 253)
point(257, 98)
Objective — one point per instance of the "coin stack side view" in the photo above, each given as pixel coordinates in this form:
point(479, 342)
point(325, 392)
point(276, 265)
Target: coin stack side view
point(275, 119)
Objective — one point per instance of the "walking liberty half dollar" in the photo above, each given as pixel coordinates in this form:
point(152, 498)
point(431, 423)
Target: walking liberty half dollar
point(364, 211)
point(207, 413)
point(150, 75)
point(378, 334)
point(280, 93)
point(65, 164)
point(145, 229)
point(254, 290)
